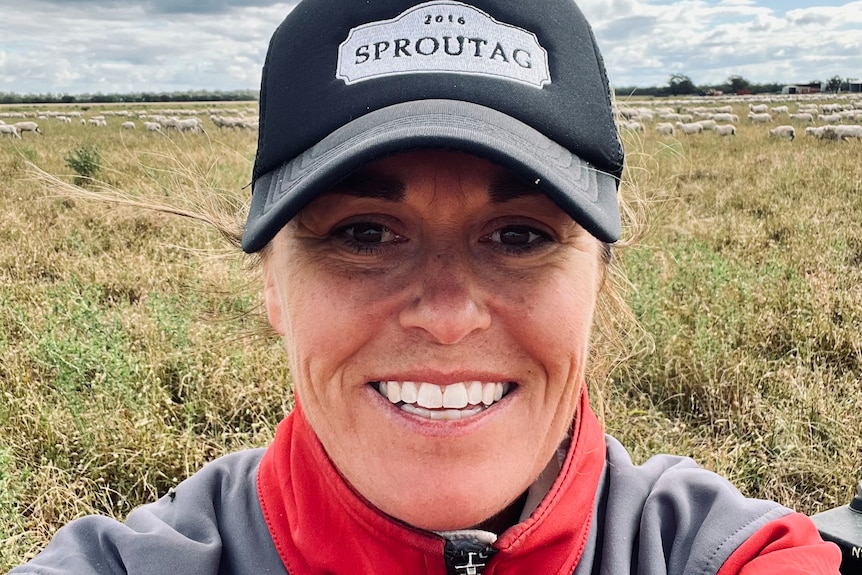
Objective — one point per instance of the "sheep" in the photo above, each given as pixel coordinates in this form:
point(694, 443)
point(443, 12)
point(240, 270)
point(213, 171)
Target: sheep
point(98, 122)
point(725, 130)
point(707, 124)
point(152, 126)
point(632, 126)
point(190, 125)
point(725, 117)
point(689, 129)
point(670, 117)
point(758, 109)
point(723, 110)
point(128, 125)
point(786, 132)
point(759, 117)
point(645, 115)
point(9, 129)
point(664, 129)
point(27, 127)
point(845, 131)
point(186, 125)
point(829, 118)
point(228, 121)
point(778, 110)
point(821, 132)
point(628, 113)
point(802, 117)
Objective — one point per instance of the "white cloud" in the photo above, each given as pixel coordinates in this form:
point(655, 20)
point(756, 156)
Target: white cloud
point(120, 47)
point(710, 41)
point(78, 46)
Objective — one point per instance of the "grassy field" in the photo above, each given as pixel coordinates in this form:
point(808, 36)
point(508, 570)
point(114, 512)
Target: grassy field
point(132, 348)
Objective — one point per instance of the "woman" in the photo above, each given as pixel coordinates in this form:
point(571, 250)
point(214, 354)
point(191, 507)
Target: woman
point(434, 201)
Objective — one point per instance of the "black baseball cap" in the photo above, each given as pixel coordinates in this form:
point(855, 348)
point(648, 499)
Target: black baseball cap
point(521, 83)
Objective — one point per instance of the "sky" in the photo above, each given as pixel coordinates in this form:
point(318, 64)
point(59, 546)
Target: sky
point(124, 46)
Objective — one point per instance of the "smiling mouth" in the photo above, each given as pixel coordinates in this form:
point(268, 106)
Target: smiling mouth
point(443, 402)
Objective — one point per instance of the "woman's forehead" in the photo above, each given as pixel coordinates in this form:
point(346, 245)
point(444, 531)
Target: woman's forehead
point(391, 178)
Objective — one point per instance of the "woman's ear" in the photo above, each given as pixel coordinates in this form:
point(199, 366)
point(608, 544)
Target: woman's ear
point(271, 296)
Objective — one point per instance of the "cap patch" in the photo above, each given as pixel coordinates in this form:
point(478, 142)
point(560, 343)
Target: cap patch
point(443, 37)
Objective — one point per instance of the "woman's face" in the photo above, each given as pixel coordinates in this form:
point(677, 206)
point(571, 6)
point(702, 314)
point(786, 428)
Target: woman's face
point(410, 297)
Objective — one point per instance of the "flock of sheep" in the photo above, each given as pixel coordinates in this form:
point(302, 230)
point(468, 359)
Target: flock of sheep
point(841, 120)
point(182, 120)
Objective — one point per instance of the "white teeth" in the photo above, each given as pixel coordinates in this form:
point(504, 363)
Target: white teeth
point(409, 392)
point(440, 414)
point(455, 396)
point(474, 393)
point(488, 392)
point(430, 396)
point(448, 402)
point(393, 391)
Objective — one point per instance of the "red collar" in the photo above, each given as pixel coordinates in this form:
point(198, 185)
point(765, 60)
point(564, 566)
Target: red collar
point(319, 524)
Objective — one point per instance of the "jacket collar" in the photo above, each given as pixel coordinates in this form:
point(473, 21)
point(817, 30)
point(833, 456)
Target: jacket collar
point(319, 524)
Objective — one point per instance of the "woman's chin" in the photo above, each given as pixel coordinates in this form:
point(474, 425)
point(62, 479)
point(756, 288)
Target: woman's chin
point(446, 510)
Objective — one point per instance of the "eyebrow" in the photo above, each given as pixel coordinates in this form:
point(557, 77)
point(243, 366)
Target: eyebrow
point(368, 184)
point(509, 187)
point(371, 184)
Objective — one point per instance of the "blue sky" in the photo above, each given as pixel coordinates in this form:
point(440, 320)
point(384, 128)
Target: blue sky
point(781, 6)
point(88, 46)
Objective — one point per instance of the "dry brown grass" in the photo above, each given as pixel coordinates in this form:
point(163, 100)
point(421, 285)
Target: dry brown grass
point(130, 352)
point(750, 284)
point(130, 337)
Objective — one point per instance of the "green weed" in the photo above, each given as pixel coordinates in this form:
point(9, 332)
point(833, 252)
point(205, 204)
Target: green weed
point(86, 161)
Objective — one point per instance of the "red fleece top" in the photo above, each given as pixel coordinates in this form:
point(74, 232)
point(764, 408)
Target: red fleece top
point(319, 524)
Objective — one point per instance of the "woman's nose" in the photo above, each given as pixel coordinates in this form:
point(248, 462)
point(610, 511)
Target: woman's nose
point(447, 302)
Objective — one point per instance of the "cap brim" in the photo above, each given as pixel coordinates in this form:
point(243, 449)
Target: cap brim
point(588, 195)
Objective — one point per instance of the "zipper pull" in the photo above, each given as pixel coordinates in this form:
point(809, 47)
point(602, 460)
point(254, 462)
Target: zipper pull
point(466, 556)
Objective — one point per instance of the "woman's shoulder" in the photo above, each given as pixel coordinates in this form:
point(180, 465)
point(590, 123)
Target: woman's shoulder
point(230, 471)
point(671, 513)
point(665, 478)
point(206, 524)
point(675, 489)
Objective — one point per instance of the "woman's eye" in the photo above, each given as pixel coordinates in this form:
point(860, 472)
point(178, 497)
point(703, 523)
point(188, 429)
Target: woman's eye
point(370, 233)
point(518, 239)
point(365, 237)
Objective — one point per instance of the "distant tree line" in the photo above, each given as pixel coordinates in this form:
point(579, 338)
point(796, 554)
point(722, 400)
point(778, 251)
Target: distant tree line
point(677, 85)
point(682, 85)
point(137, 97)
